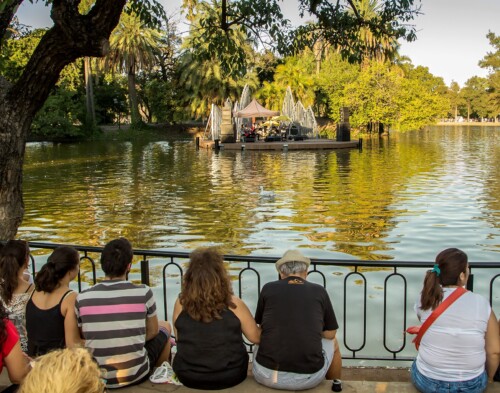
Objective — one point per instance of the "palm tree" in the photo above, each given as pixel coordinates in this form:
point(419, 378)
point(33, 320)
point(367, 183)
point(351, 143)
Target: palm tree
point(375, 46)
point(204, 76)
point(132, 48)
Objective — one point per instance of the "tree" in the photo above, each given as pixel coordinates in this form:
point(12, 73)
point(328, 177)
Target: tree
point(492, 62)
point(474, 94)
point(337, 24)
point(455, 98)
point(204, 77)
point(375, 47)
point(73, 36)
point(133, 48)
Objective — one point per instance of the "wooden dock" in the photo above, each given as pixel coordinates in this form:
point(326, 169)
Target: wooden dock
point(308, 144)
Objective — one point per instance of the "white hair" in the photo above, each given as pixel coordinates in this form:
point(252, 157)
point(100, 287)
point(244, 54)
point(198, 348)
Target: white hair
point(293, 267)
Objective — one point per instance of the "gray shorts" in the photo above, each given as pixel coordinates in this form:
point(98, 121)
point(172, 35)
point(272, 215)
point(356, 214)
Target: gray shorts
point(293, 381)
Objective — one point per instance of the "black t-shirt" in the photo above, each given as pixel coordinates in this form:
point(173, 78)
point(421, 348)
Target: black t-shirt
point(293, 313)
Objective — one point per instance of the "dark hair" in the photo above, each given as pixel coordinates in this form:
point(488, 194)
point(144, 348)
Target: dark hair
point(13, 256)
point(116, 256)
point(451, 263)
point(60, 262)
point(3, 329)
point(206, 287)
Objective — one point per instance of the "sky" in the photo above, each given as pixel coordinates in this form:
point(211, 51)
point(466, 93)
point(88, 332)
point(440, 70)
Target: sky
point(451, 34)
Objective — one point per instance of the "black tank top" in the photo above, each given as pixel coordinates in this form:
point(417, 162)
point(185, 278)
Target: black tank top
point(45, 328)
point(210, 355)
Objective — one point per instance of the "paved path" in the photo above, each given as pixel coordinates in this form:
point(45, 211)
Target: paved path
point(355, 380)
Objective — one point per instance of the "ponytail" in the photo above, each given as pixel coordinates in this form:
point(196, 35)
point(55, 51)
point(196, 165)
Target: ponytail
point(59, 263)
point(13, 256)
point(432, 293)
point(450, 263)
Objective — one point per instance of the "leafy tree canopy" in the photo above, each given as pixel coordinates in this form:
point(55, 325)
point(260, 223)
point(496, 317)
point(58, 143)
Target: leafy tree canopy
point(337, 23)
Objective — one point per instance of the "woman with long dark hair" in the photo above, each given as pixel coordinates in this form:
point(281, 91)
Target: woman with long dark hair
point(208, 321)
point(15, 290)
point(50, 312)
point(461, 348)
point(11, 355)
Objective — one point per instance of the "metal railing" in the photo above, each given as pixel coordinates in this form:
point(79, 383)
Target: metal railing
point(374, 312)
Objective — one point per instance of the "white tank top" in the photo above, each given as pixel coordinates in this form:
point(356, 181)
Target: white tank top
point(453, 348)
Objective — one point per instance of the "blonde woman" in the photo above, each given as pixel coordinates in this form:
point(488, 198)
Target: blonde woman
point(69, 370)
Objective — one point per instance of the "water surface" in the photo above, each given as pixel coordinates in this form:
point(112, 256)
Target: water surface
point(404, 197)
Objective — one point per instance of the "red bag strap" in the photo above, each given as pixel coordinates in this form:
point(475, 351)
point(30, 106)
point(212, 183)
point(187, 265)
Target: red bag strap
point(437, 312)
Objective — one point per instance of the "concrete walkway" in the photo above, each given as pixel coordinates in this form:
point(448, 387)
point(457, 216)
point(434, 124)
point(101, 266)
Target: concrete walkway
point(354, 380)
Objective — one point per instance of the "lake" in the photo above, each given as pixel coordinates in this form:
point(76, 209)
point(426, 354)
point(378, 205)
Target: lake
point(403, 197)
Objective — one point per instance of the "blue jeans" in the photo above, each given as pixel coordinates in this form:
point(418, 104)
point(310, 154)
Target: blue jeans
point(428, 385)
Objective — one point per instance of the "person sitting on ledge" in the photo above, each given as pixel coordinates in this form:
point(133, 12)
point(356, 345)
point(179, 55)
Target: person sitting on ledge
point(50, 311)
point(15, 289)
point(298, 348)
point(454, 349)
point(11, 355)
point(64, 371)
point(208, 321)
point(119, 323)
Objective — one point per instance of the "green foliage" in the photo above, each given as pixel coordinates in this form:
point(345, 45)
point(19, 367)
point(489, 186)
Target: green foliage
point(334, 75)
point(110, 101)
point(61, 116)
point(16, 52)
point(492, 62)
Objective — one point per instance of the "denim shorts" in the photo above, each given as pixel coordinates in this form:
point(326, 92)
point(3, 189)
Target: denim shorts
point(293, 381)
point(428, 385)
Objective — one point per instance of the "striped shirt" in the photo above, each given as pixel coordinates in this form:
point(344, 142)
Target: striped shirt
point(112, 317)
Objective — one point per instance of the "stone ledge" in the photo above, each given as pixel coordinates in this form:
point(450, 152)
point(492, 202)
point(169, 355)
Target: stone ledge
point(355, 380)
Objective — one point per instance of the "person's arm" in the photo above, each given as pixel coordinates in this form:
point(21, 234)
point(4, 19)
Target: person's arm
point(492, 346)
point(152, 327)
point(177, 311)
point(71, 330)
point(248, 325)
point(17, 364)
point(329, 334)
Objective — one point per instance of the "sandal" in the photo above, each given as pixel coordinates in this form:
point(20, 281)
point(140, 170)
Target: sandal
point(164, 374)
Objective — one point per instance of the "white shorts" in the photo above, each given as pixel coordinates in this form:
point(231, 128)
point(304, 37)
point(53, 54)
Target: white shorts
point(293, 381)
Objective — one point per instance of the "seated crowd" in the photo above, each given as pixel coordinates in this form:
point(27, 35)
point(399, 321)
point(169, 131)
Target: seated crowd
point(109, 335)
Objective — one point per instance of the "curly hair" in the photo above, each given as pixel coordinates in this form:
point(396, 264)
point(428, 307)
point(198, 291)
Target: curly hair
point(206, 287)
point(64, 371)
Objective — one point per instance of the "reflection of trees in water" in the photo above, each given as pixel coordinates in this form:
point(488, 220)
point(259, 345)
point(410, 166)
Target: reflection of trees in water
point(168, 195)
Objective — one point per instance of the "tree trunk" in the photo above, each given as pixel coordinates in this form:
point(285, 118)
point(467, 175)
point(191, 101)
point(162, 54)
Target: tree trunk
point(72, 36)
point(132, 98)
point(89, 92)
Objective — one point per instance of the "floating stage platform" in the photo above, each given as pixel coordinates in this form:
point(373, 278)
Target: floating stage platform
point(308, 144)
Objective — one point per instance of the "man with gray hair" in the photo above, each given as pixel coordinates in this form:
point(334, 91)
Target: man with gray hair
point(297, 347)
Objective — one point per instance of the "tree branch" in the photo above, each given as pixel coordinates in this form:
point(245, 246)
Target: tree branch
point(8, 9)
point(72, 36)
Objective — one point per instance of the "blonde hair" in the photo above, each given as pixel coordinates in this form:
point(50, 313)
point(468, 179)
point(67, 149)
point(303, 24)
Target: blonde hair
point(64, 371)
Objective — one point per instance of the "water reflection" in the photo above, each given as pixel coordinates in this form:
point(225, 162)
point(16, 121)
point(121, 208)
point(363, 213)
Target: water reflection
point(404, 197)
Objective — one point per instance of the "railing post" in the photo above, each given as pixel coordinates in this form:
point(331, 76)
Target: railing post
point(145, 271)
point(197, 143)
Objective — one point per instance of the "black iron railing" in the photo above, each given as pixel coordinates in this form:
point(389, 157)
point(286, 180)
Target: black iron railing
point(374, 312)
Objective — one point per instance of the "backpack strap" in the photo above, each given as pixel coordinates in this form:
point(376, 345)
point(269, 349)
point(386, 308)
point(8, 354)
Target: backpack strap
point(437, 312)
